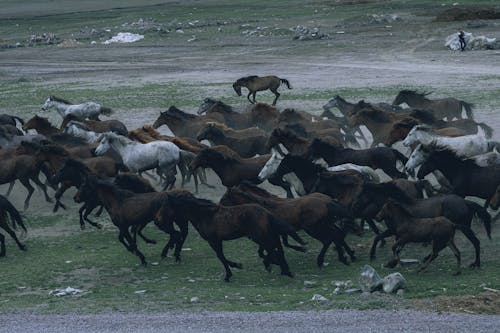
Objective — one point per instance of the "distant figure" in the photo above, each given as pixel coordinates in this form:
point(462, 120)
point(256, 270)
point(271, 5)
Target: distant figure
point(461, 39)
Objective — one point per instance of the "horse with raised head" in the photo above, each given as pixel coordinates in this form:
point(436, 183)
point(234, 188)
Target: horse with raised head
point(81, 111)
point(256, 83)
point(180, 123)
point(314, 213)
point(217, 223)
point(9, 220)
point(442, 108)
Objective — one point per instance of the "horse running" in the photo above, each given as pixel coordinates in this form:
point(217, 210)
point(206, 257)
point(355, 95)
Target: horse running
point(466, 146)
point(9, 212)
point(442, 108)
point(138, 157)
point(256, 83)
point(82, 111)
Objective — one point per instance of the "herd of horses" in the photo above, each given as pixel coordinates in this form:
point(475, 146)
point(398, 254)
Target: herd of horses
point(333, 185)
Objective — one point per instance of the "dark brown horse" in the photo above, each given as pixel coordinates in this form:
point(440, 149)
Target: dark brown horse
point(246, 142)
point(100, 126)
point(217, 223)
point(376, 158)
point(256, 83)
point(443, 108)
point(9, 220)
point(314, 213)
point(7, 119)
point(180, 123)
point(439, 230)
point(130, 212)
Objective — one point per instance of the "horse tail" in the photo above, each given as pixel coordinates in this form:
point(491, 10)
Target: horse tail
point(468, 109)
point(482, 213)
point(488, 131)
point(106, 111)
point(15, 217)
point(282, 228)
point(285, 81)
point(400, 156)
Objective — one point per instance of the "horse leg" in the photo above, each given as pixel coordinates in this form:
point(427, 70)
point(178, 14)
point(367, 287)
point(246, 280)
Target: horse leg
point(436, 248)
point(12, 234)
point(285, 269)
point(253, 95)
point(121, 238)
point(217, 247)
point(277, 181)
point(183, 227)
point(139, 231)
point(43, 187)
point(476, 243)
point(133, 247)
point(277, 94)
point(2, 245)
point(456, 252)
point(375, 229)
point(26, 183)
point(88, 209)
point(248, 97)
point(377, 238)
point(58, 196)
point(175, 238)
point(396, 250)
point(11, 186)
point(284, 238)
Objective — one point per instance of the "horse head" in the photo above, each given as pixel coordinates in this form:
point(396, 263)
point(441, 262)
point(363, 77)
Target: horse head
point(416, 133)
point(237, 88)
point(207, 104)
point(419, 156)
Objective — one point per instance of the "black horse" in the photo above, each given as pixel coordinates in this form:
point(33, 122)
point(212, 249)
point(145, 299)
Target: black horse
point(9, 213)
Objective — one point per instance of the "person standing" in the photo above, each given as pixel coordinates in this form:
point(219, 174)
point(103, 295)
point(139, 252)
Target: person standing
point(461, 39)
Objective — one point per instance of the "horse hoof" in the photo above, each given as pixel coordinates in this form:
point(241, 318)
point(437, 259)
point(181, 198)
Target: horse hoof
point(238, 266)
point(290, 274)
point(474, 265)
point(457, 273)
point(82, 226)
point(23, 248)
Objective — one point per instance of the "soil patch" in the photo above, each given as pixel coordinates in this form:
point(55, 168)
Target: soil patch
point(464, 14)
point(483, 303)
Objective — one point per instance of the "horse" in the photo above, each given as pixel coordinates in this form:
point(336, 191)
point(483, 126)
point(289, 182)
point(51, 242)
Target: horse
point(25, 168)
point(81, 130)
point(343, 186)
point(455, 208)
point(180, 123)
point(384, 158)
point(465, 176)
point(314, 213)
point(9, 213)
point(247, 142)
point(82, 111)
point(256, 83)
point(487, 159)
point(127, 210)
point(216, 223)
point(347, 109)
point(467, 146)
point(7, 119)
point(442, 108)
point(261, 115)
point(101, 126)
point(138, 157)
point(439, 230)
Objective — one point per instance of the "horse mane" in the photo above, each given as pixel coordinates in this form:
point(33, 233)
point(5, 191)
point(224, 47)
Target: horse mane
point(424, 116)
point(191, 199)
point(246, 79)
point(175, 110)
point(220, 126)
point(80, 125)
point(391, 190)
point(44, 121)
point(71, 162)
point(246, 186)
point(116, 190)
point(450, 153)
point(118, 137)
point(55, 149)
point(414, 92)
point(289, 113)
point(287, 133)
point(227, 153)
point(375, 115)
point(424, 128)
point(59, 99)
point(296, 128)
point(224, 108)
point(407, 123)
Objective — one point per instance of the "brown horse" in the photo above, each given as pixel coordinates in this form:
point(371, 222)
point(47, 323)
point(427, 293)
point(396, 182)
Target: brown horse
point(495, 199)
point(9, 213)
point(256, 83)
point(314, 213)
point(217, 223)
point(180, 123)
point(246, 142)
point(440, 231)
point(231, 168)
point(261, 115)
point(130, 212)
point(100, 126)
point(442, 108)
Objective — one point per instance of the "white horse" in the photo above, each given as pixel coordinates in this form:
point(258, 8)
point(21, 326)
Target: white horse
point(487, 159)
point(138, 157)
point(82, 111)
point(466, 146)
point(80, 130)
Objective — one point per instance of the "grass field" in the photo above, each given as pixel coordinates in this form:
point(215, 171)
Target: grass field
point(141, 79)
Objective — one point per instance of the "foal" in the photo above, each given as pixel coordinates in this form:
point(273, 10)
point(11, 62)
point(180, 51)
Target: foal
point(408, 229)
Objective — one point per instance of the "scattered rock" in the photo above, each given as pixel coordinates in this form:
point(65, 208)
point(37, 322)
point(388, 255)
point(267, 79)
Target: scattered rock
point(393, 282)
point(124, 37)
point(43, 39)
point(384, 18)
point(310, 283)
point(140, 292)
point(473, 42)
point(304, 33)
point(65, 291)
point(369, 280)
point(318, 297)
point(195, 299)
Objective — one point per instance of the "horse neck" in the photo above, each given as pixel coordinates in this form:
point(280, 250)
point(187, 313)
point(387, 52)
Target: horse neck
point(424, 137)
point(108, 199)
point(345, 107)
point(416, 101)
point(60, 107)
point(46, 129)
point(56, 161)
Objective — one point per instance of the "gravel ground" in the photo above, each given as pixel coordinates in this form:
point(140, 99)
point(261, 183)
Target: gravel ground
point(311, 321)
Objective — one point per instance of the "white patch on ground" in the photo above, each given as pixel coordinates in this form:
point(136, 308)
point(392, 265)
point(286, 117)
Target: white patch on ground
point(124, 37)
